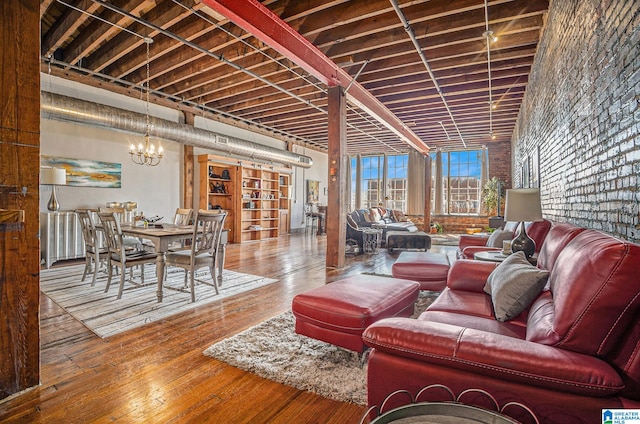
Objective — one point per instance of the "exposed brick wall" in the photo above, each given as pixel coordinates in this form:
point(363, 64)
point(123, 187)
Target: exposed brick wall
point(500, 162)
point(581, 114)
point(457, 224)
point(454, 224)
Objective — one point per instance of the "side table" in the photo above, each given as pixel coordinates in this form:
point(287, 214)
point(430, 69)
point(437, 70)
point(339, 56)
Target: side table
point(498, 256)
point(371, 239)
point(490, 256)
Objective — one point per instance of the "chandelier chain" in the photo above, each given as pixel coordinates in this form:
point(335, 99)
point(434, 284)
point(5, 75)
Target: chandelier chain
point(146, 154)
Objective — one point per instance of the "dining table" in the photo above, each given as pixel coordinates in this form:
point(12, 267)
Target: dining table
point(163, 236)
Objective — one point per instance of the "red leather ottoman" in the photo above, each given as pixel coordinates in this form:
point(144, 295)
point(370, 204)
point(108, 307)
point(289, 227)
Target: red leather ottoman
point(339, 312)
point(430, 269)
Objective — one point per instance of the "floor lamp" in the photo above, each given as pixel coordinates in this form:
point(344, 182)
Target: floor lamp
point(523, 205)
point(53, 177)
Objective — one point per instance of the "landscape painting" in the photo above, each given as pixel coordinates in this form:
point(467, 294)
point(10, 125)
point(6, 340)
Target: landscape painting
point(87, 173)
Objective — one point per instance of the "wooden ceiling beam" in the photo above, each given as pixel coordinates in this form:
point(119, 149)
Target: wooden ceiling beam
point(261, 23)
point(66, 25)
point(98, 31)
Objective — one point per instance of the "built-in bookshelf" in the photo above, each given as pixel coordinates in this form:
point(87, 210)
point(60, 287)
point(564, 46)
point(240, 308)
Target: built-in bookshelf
point(257, 197)
point(218, 189)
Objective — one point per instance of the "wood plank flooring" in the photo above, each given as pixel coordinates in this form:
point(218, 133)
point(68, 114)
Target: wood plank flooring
point(158, 374)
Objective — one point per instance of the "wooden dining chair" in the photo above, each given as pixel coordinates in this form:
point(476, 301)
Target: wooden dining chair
point(118, 255)
point(94, 253)
point(204, 248)
point(129, 242)
point(182, 216)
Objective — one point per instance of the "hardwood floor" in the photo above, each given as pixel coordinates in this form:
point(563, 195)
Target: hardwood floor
point(157, 373)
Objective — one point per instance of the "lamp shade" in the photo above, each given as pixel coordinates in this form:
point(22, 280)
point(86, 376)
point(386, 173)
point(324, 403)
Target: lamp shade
point(523, 205)
point(53, 176)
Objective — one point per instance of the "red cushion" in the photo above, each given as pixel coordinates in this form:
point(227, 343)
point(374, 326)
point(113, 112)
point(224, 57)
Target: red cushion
point(430, 269)
point(339, 312)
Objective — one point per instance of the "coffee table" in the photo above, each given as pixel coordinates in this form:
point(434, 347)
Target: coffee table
point(442, 413)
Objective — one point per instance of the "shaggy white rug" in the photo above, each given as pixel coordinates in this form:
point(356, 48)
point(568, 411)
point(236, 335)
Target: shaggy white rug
point(106, 315)
point(273, 350)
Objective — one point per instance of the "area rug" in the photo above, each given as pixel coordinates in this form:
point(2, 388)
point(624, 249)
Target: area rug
point(274, 351)
point(445, 239)
point(106, 315)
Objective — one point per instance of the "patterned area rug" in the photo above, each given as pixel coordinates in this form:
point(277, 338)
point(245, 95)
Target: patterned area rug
point(105, 315)
point(273, 350)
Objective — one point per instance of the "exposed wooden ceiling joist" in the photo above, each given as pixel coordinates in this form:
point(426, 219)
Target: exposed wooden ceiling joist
point(104, 47)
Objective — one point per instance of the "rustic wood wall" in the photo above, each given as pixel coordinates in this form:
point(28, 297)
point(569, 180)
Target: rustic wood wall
point(19, 173)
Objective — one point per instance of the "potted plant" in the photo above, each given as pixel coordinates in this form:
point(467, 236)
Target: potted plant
point(435, 228)
point(493, 198)
point(493, 192)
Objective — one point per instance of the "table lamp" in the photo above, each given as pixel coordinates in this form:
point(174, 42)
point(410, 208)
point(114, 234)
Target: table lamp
point(53, 177)
point(523, 205)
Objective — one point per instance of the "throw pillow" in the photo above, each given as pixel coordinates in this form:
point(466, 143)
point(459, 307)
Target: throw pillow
point(498, 236)
point(375, 215)
point(514, 285)
point(351, 221)
point(366, 215)
point(400, 217)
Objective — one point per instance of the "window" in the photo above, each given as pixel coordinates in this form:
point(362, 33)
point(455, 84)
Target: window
point(377, 182)
point(461, 182)
point(371, 181)
point(397, 171)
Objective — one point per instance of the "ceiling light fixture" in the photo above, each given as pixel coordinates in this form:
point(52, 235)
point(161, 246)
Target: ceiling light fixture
point(489, 37)
point(145, 154)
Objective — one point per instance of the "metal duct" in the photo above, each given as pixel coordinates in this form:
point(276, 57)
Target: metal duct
point(69, 109)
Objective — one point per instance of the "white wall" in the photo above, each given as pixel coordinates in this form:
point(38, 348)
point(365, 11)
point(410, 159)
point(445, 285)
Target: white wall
point(319, 172)
point(156, 189)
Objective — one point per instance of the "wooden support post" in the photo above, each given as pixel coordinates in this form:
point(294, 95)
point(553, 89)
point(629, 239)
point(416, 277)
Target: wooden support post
point(187, 168)
point(20, 156)
point(335, 219)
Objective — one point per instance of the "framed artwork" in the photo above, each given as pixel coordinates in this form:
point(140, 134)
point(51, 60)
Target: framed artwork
point(87, 173)
point(313, 191)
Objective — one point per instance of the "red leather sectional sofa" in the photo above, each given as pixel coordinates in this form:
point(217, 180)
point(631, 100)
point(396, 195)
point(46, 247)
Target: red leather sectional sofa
point(572, 353)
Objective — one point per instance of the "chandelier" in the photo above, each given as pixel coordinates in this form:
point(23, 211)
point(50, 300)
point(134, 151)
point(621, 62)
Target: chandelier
point(146, 154)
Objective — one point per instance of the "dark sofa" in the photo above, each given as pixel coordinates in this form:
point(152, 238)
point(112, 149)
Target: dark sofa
point(574, 351)
point(363, 220)
point(385, 219)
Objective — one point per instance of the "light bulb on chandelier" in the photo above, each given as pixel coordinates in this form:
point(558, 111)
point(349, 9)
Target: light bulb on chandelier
point(145, 154)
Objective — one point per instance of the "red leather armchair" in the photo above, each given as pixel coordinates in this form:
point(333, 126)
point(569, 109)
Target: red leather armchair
point(469, 245)
point(572, 353)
